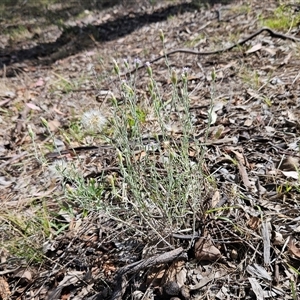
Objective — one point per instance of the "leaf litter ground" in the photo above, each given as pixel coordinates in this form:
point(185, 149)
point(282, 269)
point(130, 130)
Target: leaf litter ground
point(246, 244)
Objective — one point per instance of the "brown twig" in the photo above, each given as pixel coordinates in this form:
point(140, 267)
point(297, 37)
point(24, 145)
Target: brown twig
point(273, 33)
point(13, 159)
point(241, 239)
point(240, 43)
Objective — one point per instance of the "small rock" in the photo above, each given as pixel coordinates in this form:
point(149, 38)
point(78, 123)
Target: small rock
point(171, 288)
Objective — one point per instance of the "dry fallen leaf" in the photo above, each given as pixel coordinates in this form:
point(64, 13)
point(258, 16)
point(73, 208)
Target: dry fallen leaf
point(248, 122)
point(277, 238)
point(33, 106)
point(215, 199)
point(291, 174)
point(71, 278)
point(205, 250)
point(271, 51)
point(25, 275)
point(266, 230)
point(254, 222)
point(293, 248)
point(4, 289)
point(257, 289)
point(255, 48)
point(212, 117)
point(54, 125)
point(209, 275)
point(176, 272)
point(258, 271)
point(242, 162)
point(289, 164)
point(39, 83)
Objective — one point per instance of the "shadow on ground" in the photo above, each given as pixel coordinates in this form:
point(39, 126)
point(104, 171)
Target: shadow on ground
point(75, 39)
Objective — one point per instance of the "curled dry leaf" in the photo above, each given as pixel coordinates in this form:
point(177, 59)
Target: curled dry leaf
point(174, 278)
point(71, 278)
point(26, 275)
point(212, 117)
point(234, 254)
point(289, 164)
point(205, 250)
point(294, 249)
point(277, 238)
point(254, 222)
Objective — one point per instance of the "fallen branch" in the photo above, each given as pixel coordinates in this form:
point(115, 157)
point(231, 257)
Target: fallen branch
point(240, 43)
point(121, 281)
